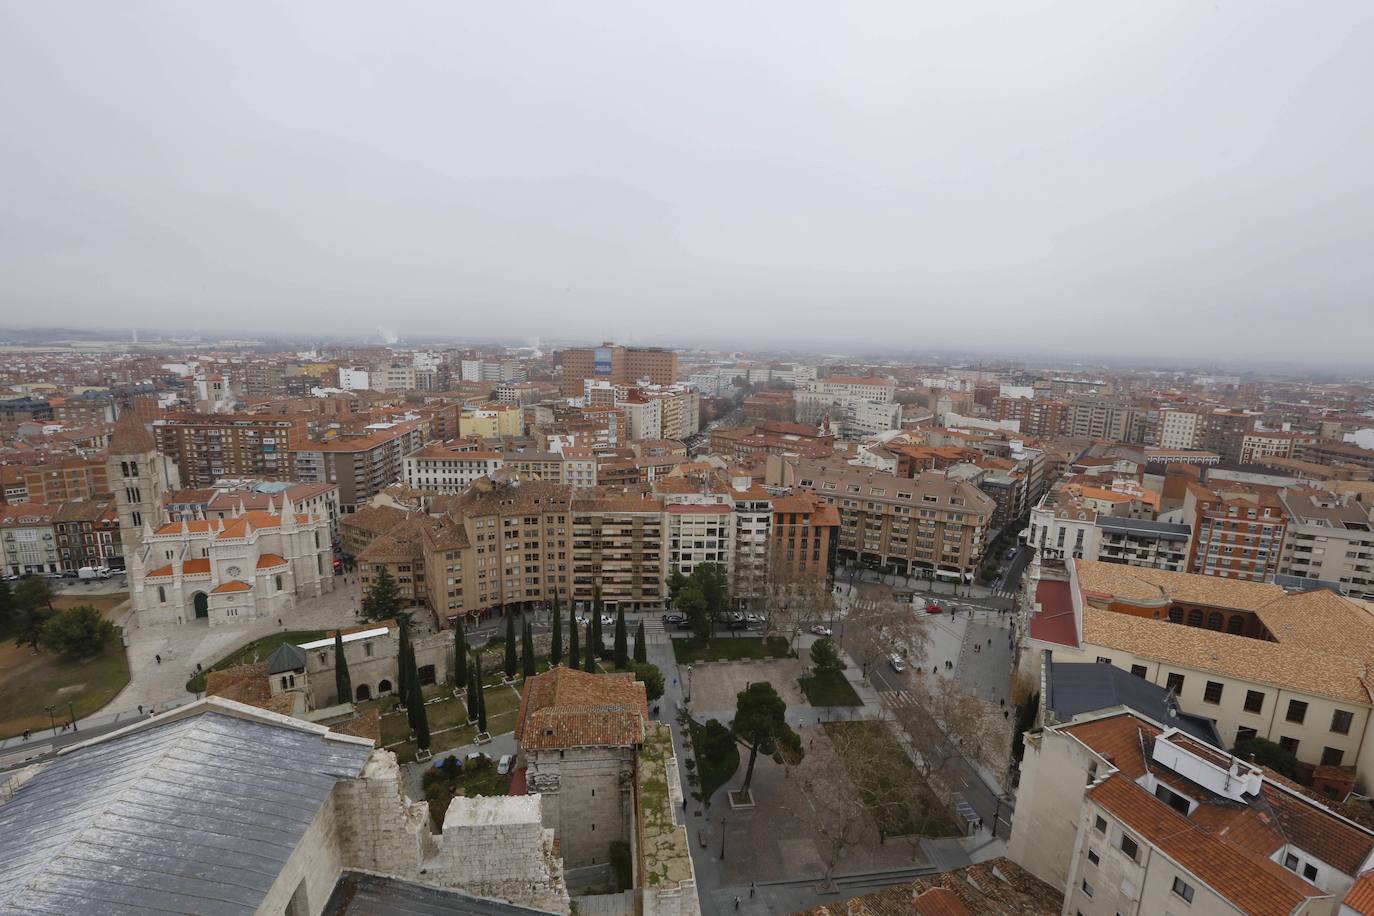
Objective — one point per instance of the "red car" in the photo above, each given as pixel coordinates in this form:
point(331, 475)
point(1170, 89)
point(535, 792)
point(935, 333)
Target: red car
point(934, 608)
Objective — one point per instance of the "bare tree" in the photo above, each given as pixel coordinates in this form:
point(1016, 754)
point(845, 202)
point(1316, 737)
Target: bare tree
point(794, 601)
point(943, 721)
point(877, 624)
point(835, 807)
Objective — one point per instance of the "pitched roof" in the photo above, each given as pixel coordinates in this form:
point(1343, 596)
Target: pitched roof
point(1128, 582)
point(997, 887)
point(565, 707)
point(131, 436)
point(286, 657)
point(1074, 688)
point(195, 814)
point(231, 586)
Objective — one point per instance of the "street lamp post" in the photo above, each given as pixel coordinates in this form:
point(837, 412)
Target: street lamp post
point(722, 837)
point(52, 718)
point(689, 683)
point(71, 711)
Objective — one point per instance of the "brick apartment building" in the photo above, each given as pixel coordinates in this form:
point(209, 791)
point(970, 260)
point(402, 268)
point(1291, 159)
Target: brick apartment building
point(362, 466)
point(208, 447)
point(617, 365)
point(1235, 538)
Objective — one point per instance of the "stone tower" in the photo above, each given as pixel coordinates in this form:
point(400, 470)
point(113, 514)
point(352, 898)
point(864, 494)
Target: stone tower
point(138, 477)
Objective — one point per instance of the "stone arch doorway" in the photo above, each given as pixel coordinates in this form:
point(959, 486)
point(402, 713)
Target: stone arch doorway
point(202, 605)
point(383, 688)
point(364, 692)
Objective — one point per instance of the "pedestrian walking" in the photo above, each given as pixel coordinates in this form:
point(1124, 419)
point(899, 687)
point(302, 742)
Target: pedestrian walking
point(26, 734)
point(737, 902)
point(989, 640)
point(158, 658)
point(140, 709)
point(751, 890)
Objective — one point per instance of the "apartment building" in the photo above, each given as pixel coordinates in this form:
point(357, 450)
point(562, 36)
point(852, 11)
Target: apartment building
point(700, 532)
point(1257, 660)
point(679, 410)
point(440, 468)
point(28, 539)
point(579, 467)
point(870, 418)
point(643, 414)
point(62, 479)
point(1330, 538)
point(1336, 454)
point(1088, 523)
point(1178, 428)
point(88, 534)
point(1099, 418)
point(1259, 445)
point(1034, 417)
point(1238, 538)
point(620, 543)
point(1133, 816)
point(207, 447)
point(617, 365)
point(361, 466)
point(771, 437)
point(862, 406)
point(928, 524)
point(492, 421)
point(803, 537)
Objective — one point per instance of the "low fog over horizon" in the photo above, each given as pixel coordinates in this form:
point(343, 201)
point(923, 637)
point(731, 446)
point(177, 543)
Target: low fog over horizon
point(1172, 179)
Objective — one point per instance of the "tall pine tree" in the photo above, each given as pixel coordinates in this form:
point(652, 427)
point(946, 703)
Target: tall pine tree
point(510, 645)
point(383, 596)
point(481, 700)
point(574, 653)
point(641, 652)
point(343, 684)
point(460, 654)
point(403, 666)
point(622, 649)
point(472, 694)
point(527, 660)
point(556, 645)
point(589, 657)
point(419, 718)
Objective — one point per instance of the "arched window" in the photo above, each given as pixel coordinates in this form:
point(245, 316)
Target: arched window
point(283, 683)
point(317, 539)
point(1195, 618)
point(278, 583)
point(1175, 615)
point(1236, 624)
point(161, 595)
point(1214, 620)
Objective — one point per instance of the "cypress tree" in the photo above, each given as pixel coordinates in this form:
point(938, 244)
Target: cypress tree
point(510, 645)
point(589, 657)
point(481, 700)
point(472, 694)
point(556, 646)
point(641, 653)
point(419, 719)
point(403, 666)
point(574, 653)
point(598, 608)
point(343, 684)
point(460, 653)
point(622, 650)
point(527, 661)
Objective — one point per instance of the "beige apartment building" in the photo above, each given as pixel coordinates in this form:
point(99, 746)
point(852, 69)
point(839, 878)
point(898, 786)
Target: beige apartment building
point(208, 447)
point(362, 466)
point(620, 543)
point(930, 523)
point(1132, 817)
point(1329, 538)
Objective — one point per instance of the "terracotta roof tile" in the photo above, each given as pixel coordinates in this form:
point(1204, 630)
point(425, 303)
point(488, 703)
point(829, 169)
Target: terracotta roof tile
point(569, 708)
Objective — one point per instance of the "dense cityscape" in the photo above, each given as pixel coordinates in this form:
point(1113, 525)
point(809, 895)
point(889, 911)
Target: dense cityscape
point(622, 459)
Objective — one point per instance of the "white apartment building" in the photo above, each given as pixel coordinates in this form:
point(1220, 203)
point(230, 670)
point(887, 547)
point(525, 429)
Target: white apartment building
point(1329, 538)
point(643, 415)
point(1179, 429)
point(1261, 444)
point(354, 379)
point(700, 532)
point(395, 377)
point(579, 466)
point(869, 418)
point(441, 469)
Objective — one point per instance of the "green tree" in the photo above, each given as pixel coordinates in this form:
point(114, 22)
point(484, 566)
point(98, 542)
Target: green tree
point(33, 608)
point(715, 585)
point(650, 677)
point(343, 684)
point(383, 596)
point(415, 708)
point(622, 648)
point(825, 658)
point(6, 606)
point(556, 640)
point(472, 693)
point(460, 652)
point(761, 725)
point(510, 645)
point(574, 652)
point(527, 659)
point(79, 631)
point(481, 700)
point(1270, 754)
point(676, 580)
point(589, 657)
point(692, 603)
point(641, 652)
point(598, 608)
point(403, 665)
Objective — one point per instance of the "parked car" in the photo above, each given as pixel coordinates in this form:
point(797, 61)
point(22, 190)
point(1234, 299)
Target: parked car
point(505, 763)
point(820, 630)
point(754, 619)
point(673, 618)
point(476, 759)
point(896, 662)
point(608, 620)
point(583, 619)
point(737, 622)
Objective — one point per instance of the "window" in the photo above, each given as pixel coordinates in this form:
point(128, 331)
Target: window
point(1290, 862)
point(1130, 847)
point(1254, 701)
point(1212, 693)
point(278, 583)
point(1332, 756)
point(1289, 744)
point(1309, 872)
point(161, 595)
point(1297, 711)
point(1245, 734)
point(1087, 888)
point(1100, 825)
point(1178, 802)
point(1093, 857)
point(1174, 682)
point(1138, 670)
point(1183, 889)
point(1341, 721)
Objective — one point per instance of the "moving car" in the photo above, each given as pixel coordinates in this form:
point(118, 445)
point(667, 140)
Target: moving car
point(934, 608)
point(820, 630)
point(506, 762)
point(896, 662)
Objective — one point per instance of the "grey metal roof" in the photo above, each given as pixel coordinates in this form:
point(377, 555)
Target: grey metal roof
point(1164, 530)
point(1080, 687)
point(286, 657)
point(195, 816)
point(358, 894)
point(1302, 584)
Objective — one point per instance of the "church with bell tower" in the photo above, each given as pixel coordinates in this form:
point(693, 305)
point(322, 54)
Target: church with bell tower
point(139, 476)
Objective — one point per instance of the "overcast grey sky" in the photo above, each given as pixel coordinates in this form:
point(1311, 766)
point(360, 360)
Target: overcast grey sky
point(1158, 177)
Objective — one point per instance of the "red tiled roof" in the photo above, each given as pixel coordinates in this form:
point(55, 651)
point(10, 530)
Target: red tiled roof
point(270, 561)
point(200, 566)
point(569, 708)
point(1054, 622)
point(1360, 897)
point(232, 586)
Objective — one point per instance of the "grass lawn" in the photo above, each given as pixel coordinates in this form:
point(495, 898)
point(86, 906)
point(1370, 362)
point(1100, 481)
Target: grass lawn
point(889, 783)
point(830, 689)
point(729, 648)
point(717, 769)
point(102, 603)
point(256, 651)
point(31, 683)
